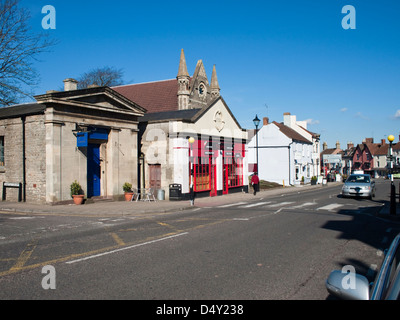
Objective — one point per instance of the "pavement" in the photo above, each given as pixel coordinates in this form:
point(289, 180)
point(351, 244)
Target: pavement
point(140, 208)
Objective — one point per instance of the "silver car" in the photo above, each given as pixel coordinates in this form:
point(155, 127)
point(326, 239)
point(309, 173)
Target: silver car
point(359, 185)
point(351, 286)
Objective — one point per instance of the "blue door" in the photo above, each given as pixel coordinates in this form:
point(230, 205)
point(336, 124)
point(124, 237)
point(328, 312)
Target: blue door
point(93, 170)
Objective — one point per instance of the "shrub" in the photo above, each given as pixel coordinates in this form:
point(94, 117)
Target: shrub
point(76, 188)
point(127, 187)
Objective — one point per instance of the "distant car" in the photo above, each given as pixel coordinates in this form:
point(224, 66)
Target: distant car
point(359, 185)
point(386, 286)
point(396, 175)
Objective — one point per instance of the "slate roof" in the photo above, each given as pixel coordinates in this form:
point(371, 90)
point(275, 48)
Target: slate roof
point(158, 96)
point(180, 115)
point(290, 133)
point(22, 110)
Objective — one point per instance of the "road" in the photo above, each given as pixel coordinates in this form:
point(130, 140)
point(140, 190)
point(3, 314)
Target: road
point(281, 247)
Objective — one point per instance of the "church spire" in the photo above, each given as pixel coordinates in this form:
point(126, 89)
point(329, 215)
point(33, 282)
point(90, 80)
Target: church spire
point(182, 66)
point(183, 84)
point(215, 89)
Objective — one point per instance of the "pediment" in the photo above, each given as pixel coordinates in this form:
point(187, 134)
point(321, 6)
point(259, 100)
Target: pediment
point(102, 98)
point(218, 120)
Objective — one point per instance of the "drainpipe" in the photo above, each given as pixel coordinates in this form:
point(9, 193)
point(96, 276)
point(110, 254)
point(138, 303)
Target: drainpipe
point(290, 171)
point(23, 119)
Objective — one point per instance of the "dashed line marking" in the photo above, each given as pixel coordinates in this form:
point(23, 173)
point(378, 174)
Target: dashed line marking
point(255, 205)
point(232, 205)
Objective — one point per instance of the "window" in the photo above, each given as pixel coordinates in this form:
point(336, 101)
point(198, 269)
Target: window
point(202, 174)
point(1, 151)
point(235, 172)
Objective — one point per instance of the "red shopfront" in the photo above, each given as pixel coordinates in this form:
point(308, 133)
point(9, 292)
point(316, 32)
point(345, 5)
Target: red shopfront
point(233, 155)
point(206, 156)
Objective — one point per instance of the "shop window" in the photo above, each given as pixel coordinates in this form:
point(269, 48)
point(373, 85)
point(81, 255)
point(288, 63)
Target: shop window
point(202, 174)
point(235, 172)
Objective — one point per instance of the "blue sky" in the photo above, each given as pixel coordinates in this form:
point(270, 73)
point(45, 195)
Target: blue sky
point(271, 56)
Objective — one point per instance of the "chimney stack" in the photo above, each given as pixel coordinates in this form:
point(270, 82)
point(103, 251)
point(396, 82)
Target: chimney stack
point(70, 84)
point(265, 121)
point(350, 145)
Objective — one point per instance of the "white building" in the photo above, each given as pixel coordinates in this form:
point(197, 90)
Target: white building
point(285, 156)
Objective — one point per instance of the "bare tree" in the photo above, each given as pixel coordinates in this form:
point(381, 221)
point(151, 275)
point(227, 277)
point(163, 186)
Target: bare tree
point(105, 76)
point(19, 48)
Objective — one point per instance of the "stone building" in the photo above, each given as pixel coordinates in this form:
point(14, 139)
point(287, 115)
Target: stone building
point(183, 108)
point(88, 135)
point(103, 137)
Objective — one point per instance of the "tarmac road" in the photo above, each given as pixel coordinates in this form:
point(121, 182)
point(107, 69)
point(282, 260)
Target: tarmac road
point(273, 246)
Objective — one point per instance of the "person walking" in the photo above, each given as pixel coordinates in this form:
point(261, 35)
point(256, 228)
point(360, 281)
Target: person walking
point(255, 182)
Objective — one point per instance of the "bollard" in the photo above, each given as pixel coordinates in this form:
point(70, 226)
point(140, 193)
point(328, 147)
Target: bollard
point(392, 199)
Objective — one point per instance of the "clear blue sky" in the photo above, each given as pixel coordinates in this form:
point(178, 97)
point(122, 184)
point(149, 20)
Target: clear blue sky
point(292, 56)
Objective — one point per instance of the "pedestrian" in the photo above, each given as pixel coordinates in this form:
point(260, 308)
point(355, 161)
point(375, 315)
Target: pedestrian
point(255, 182)
point(191, 196)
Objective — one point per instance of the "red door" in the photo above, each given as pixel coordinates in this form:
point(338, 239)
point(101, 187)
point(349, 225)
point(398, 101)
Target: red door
point(155, 176)
point(225, 179)
point(213, 182)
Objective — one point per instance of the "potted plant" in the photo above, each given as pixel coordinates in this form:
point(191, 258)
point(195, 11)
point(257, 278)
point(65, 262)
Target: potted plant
point(127, 187)
point(76, 192)
point(314, 180)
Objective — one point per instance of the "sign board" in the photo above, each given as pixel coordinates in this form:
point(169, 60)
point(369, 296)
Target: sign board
point(11, 185)
point(82, 139)
point(332, 158)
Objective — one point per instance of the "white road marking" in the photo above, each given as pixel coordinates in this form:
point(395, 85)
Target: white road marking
point(279, 204)
point(331, 207)
point(126, 248)
point(306, 204)
point(232, 205)
point(255, 204)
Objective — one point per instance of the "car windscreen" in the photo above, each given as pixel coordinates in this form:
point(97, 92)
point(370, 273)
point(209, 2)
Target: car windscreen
point(358, 179)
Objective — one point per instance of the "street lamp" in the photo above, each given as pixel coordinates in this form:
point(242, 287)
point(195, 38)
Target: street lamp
point(191, 160)
point(256, 122)
point(392, 188)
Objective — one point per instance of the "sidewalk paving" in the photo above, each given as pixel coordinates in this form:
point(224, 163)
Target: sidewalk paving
point(141, 208)
point(123, 208)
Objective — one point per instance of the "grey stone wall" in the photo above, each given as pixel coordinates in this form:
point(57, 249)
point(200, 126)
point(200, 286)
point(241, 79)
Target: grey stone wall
point(35, 155)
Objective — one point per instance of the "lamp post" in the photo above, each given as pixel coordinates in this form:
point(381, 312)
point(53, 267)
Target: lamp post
point(191, 159)
point(256, 122)
point(392, 187)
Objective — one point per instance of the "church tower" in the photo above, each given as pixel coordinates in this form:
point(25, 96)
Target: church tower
point(183, 84)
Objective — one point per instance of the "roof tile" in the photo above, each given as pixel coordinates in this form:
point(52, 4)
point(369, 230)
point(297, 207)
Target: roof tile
point(158, 96)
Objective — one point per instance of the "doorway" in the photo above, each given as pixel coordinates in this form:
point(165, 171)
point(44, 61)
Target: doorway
point(93, 170)
point(155, 176)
